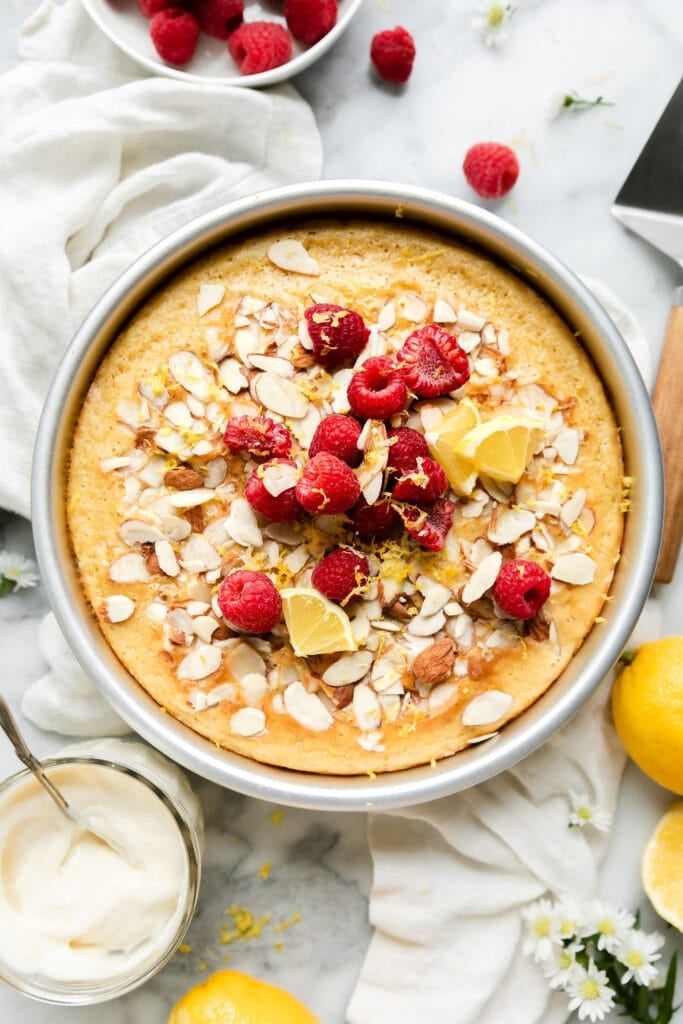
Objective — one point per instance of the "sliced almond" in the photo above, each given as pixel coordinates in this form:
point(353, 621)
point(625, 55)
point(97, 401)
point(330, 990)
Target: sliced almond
point(367, 709)
point(436, 595)
point(444, 312)
point(209, 296)
point(166, 558)
point(248, 722)
point(197, 555)
point(137, 531)
point(412, 307)
point(483, 578)
point(348, 669)
point(116, 462)
point(232, 376)
point(216, 471)
point(129, 569)
point(242, 660)
point(427, 625)
point(192, 498)
point(280, 396)
point(442, 697)
point(205, 626)
point(254, 687)
point(201, 662)
point(387, 317)
point(191, 374)
point(575, 568)
point(566, 444)
point(510, 524)
point(279, 478)
point(307, 709)
point(132, 413)
point(487, 708)
point(273, 364)
point(242, 525)
point(116, 608)
point(469, 340)
point(284, 533)
point(289, 254)
point(174, 527)
point(468, 321)
point(572, 509)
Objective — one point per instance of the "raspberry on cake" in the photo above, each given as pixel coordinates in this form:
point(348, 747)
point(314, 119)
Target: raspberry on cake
point(327, 486)
point(521, 588)
point(250, 601)
point(271, 490)
point(340, 574)
point(407, 446)
point(355, 548)
point(378, 390)
point(258, 436)
point(433, 362)
point(339, 435)
point(338, 334)
point(421, 485)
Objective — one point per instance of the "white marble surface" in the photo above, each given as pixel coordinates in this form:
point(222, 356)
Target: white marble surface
point(459, 93)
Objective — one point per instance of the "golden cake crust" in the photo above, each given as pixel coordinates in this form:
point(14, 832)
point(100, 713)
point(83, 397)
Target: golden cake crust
point(363, 266)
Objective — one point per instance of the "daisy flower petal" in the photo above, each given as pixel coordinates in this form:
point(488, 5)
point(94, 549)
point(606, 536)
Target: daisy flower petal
point(18, 569)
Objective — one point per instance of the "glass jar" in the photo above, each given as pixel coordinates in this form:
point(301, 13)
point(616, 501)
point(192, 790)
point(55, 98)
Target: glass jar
point(124, 969)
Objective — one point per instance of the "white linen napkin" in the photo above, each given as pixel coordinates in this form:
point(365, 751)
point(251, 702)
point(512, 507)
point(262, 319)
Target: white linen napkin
point(97, 162)
point(451, 877)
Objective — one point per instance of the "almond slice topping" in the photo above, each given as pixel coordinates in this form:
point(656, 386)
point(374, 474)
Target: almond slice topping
point(289, 254)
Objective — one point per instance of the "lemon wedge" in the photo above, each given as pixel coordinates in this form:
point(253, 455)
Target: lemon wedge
point(501, 447)
point(446, 436)
point(316, 625)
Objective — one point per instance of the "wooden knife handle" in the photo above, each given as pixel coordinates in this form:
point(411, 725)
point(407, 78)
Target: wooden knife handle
point(668, 406)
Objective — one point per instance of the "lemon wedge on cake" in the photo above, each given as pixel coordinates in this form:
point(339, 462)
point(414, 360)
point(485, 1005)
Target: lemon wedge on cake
point(444, 439)
point(502, 446)
point(316, 625)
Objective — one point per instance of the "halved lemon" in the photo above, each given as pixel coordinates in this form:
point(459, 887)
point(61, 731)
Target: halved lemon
point(502, 447)
point(316, 625)
point(662, 868)
point(444, 439)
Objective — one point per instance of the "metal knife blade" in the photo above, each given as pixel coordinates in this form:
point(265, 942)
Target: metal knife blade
point(650, 201)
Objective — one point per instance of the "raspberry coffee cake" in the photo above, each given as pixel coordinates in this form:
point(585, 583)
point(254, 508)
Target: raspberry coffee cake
point(346, 497)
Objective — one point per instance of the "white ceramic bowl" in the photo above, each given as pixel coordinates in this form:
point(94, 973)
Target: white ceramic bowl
point(212, 64)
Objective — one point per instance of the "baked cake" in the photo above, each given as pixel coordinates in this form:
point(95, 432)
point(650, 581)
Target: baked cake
point(346, 497)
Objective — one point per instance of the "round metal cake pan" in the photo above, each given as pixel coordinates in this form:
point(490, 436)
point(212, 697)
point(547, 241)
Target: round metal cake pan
point(594, 331)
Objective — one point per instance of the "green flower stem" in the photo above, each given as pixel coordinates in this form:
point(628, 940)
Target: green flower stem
point(6, 586)
point(572, 101)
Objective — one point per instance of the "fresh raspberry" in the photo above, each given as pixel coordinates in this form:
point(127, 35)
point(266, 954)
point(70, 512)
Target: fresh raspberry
point(174, 32)
point(259, 46)
point(423, 484)
point(379, 520)
point(250, 601)
point(491, 169)
point(408, 447)
point(310, 20)
point(327, 486)
point(338, 435)
point(259, 436)
point(429, 526)
point(338, 334)
point(433, 362)
point(340, 573)
point(219, 18)
point(281, 508)
point(393, 52)
point(521, 588)
point(151, 7)
point(378, 390)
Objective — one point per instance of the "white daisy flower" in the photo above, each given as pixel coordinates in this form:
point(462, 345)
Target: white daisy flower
point(586, 813)
point(541, 922)
point(610, 924)
point(492, 21)
point(589, 993)
point(18, 570)
point(638, 952)
point(562, 968)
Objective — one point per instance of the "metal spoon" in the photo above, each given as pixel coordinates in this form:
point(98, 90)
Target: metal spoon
point(82, 822)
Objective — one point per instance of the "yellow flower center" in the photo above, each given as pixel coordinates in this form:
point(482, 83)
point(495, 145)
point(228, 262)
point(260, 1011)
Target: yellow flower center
point(542, 927)
point(606, 927)
point(496, 15)
point(635, 958)
point(584, 813)
point(590, 989)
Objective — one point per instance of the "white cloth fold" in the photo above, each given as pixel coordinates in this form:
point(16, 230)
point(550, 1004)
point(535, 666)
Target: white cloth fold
point(97, 163)
point(452, 877)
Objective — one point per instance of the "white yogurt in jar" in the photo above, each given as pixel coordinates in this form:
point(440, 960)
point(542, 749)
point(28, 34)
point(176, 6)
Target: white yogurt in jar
point(72, 908)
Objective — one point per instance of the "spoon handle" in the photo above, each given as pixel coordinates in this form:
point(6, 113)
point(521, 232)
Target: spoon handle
point(11, 730)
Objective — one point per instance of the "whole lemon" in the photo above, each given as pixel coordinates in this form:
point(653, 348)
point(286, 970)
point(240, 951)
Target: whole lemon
point(647, 705)
point(230, 997)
